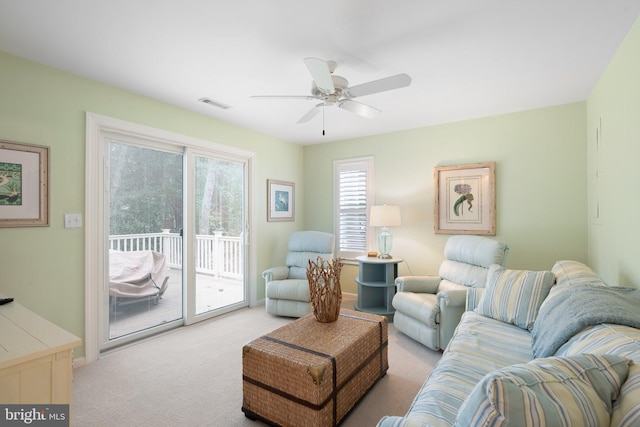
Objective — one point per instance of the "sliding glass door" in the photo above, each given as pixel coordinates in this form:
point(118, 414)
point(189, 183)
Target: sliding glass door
point(145, 288)
point(176, 248)
point(219, 218)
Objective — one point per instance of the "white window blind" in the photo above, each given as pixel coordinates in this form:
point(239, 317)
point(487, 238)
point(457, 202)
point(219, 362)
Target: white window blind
point(353, 180)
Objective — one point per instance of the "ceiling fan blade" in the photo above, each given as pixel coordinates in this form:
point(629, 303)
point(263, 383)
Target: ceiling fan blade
point(381, 85)
point(360, 109)
point(311, 113)
point(321, 73)
point(283, 97)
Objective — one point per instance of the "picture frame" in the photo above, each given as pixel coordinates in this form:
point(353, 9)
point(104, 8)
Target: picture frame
point(280, 201)
point(24, 185)
point(465, 199)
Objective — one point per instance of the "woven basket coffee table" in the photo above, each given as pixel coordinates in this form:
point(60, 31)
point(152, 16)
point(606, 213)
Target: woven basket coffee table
point(309, 373)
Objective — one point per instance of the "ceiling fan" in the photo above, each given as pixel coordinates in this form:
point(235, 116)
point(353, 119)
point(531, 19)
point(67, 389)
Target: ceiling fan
point(332, 90)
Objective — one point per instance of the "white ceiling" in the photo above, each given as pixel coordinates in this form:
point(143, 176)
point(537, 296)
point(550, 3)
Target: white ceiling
point(467, 58)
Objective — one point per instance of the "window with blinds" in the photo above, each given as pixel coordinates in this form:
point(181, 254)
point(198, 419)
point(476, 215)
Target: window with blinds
point(353, 180)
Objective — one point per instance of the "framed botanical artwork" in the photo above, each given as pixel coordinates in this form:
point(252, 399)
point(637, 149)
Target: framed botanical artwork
point(280, 201)
point(24, 185)
point(465, 199)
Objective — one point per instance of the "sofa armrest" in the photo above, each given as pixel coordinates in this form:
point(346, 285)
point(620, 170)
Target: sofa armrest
point(452, 305)
point(473, 298)
point(275, 273)
point(418, 284)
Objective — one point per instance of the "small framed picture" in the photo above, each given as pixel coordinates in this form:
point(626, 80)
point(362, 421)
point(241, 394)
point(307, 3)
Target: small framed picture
point(465, 199)
point(280, 201)
point(24, 185)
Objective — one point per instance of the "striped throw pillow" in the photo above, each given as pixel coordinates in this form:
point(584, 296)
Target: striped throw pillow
point(558, 391)
point(572, 273)
point(626, 410)
point(514, 296)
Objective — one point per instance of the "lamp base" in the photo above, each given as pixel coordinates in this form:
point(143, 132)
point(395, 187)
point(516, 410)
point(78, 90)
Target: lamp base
point(384, 243)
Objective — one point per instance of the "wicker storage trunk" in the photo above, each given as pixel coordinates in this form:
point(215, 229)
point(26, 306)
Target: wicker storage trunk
point(309, 373)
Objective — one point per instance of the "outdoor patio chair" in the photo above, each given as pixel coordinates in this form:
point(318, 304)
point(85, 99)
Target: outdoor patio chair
point(136, 276)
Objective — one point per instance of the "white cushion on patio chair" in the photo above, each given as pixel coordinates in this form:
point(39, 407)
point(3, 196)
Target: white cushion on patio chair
point(136, 276)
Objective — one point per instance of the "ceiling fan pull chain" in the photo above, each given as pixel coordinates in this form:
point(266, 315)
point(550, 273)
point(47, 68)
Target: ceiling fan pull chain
point(323, 120)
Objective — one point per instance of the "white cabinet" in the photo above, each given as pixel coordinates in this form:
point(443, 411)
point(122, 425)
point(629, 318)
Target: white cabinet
point(36, 358)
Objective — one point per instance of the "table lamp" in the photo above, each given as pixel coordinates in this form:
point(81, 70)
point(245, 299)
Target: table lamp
point(385, 216)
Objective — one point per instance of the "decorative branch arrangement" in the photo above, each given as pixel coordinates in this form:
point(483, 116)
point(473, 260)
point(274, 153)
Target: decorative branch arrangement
point(324, 289)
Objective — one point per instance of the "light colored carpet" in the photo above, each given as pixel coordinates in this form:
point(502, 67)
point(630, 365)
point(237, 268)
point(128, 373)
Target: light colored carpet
point(192, 377)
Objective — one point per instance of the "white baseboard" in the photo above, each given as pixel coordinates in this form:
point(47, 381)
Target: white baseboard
point(79, 362)
point(257, 303)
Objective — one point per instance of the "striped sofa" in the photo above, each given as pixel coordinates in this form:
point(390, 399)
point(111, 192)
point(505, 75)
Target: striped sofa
point(488, 374)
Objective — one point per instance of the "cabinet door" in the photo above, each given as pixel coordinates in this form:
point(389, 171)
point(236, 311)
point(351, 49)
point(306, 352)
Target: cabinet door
point(28, 382)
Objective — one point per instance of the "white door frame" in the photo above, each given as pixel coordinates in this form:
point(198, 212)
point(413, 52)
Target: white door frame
point(97, 129)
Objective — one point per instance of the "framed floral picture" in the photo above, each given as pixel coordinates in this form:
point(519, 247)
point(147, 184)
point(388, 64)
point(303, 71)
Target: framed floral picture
point(24, 185)
point(280, 201)
point(465, 199)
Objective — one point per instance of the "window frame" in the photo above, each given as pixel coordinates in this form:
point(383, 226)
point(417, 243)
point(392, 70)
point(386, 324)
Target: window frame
point(355, 164)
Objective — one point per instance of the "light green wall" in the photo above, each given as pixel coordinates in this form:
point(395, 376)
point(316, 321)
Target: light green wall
point(43, 268)
point(614, 106)
point(541, 176)
point(541, 190)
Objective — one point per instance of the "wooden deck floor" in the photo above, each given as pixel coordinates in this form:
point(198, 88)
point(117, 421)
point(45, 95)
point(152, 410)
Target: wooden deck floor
point(211, 293)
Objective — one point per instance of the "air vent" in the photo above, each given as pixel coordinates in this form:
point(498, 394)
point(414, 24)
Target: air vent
point(215, 103)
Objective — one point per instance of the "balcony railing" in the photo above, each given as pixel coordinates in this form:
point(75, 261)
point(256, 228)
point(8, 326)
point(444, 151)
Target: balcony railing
point(220, 256)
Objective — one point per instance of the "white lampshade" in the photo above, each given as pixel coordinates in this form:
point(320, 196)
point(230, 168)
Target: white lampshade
point(385, 216)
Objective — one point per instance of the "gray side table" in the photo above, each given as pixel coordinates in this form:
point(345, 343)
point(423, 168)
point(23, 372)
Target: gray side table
point(376, 285)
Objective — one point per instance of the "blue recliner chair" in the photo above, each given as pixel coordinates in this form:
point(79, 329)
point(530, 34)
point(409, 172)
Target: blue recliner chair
point(287, 288)
point(429, 308)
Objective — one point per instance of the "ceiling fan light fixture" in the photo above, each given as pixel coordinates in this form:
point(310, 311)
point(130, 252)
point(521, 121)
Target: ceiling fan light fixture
point(334, 90)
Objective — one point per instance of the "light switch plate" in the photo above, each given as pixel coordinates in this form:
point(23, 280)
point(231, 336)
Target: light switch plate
point(72, 220)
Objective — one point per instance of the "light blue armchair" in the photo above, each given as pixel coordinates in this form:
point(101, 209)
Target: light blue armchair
point(429, 308)
point(287, 288)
